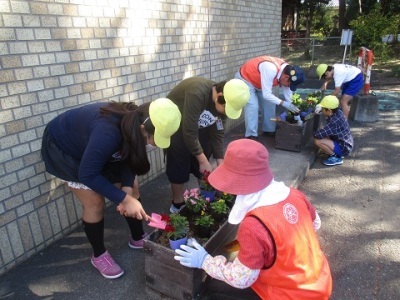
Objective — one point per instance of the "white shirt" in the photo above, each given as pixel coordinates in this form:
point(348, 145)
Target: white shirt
point(344, 73)
point(268, 74)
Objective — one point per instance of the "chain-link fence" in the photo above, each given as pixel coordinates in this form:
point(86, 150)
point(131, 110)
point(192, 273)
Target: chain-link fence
point(307, 52)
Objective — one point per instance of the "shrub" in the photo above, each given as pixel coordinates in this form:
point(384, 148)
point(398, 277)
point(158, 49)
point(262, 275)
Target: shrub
point(369, 30)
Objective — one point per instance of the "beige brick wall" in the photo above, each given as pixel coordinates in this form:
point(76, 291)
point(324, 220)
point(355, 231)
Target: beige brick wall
point(59, 54)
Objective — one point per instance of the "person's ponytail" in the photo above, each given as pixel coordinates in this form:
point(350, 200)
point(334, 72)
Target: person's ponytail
point(133, 149)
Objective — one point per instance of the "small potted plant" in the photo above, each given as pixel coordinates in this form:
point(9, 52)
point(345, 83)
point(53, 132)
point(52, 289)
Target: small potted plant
point(204, 224)
point(219, 210)
point(194, 201)
point(206, 189)
point(177, 228)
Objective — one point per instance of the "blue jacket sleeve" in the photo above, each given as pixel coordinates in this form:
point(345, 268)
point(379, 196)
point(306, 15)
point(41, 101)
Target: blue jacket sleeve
point(104, 141)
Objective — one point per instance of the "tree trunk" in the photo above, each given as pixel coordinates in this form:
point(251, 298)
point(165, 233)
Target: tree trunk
point(342, 15)
point(308, 33)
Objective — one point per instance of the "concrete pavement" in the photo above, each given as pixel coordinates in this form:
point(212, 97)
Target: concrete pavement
point(358, 203)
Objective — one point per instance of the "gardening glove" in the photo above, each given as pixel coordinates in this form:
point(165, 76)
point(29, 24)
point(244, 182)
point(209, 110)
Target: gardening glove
point(318, 109)
point(289, 106)
point(192, 257)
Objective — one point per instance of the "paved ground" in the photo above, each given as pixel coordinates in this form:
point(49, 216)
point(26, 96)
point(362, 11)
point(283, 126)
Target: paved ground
point(358, 204)
point(359, 207)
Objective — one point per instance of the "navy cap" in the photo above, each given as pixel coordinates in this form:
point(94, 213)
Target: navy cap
point(297, 77)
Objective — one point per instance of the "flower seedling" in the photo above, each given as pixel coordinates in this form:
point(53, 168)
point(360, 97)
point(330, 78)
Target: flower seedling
point(219, 207)
point(228, 198)
point(194, 201)
point(177, 226)
point(204, 220)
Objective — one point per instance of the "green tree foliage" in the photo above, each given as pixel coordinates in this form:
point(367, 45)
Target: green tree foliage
point(369, 30)
point(309, 9)
point(390, 7)
point(322, 23)
point(386, 7)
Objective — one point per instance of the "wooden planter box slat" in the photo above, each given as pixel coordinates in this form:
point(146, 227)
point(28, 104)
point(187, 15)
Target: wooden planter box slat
point(168, 277)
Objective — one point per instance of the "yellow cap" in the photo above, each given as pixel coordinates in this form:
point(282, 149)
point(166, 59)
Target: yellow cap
point(330, 102)
point(166, 118)
point(236, 94)
point(321, 69)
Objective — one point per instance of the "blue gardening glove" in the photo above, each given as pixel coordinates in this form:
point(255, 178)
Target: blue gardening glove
point(289, 106)
point(192, 257)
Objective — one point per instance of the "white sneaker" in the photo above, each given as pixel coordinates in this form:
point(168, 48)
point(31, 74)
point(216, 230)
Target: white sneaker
point(174, 210)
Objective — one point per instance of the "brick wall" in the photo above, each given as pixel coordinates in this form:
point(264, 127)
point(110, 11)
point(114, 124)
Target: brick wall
point(59, 54)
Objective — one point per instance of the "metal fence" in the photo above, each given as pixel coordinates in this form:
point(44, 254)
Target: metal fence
point(307, 52)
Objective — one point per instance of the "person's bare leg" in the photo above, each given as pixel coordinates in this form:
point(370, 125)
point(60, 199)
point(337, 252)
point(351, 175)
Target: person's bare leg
point(135, 192)
point(344, 104)
point(326, 145)
point(92, 203)
point(177, 192)
point(93, 225)
point(92, 219)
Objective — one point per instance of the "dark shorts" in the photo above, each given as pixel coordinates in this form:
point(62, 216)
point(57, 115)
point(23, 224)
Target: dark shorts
point(66, 167)
point(354, 86)
point(180, 162)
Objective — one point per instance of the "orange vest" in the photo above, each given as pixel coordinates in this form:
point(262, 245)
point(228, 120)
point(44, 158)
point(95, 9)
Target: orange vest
point(249, 71)
point(301, 270)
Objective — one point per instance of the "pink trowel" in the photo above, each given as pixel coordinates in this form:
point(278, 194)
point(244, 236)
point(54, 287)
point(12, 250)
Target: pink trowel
point(156, 221)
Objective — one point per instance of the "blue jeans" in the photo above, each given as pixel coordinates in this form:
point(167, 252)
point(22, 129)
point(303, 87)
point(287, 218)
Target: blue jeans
point(256, 103)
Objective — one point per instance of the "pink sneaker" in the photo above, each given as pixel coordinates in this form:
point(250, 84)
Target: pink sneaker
point(137, 244)
point(107, 266)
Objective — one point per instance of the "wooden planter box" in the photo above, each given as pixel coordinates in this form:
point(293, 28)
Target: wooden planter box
point(292, 137)
point(168, 277)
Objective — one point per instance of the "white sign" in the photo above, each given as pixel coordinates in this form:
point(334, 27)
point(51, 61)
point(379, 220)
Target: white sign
point(347, 36)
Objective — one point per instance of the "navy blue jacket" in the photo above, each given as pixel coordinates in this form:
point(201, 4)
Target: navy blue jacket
point(94, 140)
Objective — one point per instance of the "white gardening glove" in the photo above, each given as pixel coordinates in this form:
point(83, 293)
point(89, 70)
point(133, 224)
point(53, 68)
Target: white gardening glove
point(318, 109)
point(192, 257)
point(289, 106)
